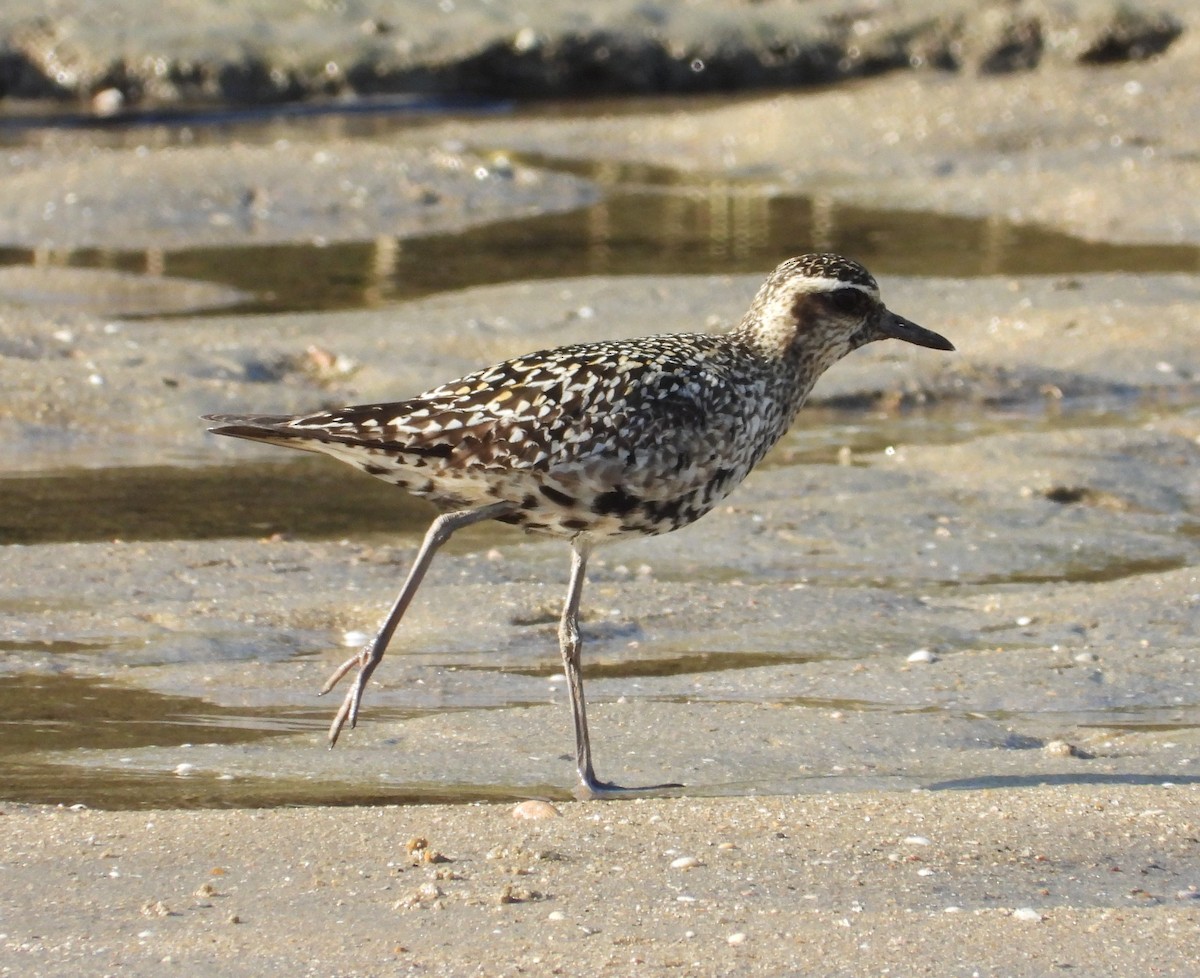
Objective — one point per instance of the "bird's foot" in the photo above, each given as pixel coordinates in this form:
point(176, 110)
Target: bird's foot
point(366, 659)
point(593, 789)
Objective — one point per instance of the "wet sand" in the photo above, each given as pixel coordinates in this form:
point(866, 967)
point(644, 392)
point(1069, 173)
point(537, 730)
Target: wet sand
point(1045, 562)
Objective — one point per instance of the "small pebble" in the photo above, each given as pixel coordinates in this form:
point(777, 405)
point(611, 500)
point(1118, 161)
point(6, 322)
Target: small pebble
point(556, 915)
point(516, 894)
point(685, 862)
point(916, 840)
point(183, 770)
point(922, 655)
point(1060, 748)
point(738, 938)
point(535, 809)
point(1027, 913)
point(108, 102)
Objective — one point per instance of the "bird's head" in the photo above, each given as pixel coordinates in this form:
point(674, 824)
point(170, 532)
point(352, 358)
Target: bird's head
point(817, 308)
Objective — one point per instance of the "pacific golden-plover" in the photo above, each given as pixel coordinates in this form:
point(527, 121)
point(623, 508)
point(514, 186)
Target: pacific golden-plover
point(596, 441)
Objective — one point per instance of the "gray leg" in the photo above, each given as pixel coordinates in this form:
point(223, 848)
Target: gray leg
point(370, 655)
point(571, 647)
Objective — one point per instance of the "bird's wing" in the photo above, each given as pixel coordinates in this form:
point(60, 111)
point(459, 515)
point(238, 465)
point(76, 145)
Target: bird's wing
point(531, 411)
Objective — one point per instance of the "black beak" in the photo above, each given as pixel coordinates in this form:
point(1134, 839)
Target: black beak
point(896, 327)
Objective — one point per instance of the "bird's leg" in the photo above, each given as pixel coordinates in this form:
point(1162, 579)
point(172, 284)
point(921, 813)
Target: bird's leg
point(371, 654)
point(571, 647)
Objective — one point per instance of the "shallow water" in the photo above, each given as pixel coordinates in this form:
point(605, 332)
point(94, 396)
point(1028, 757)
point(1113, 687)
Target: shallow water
point(73, 737)
point(651, 222)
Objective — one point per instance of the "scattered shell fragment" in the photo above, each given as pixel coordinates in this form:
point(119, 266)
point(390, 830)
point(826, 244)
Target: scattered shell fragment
point(1060, 748)
point(737, 938)
point(425, 895)
point(922, 655)
point(685, 862)
point(535, 809)
point(1027, 914)
point(324, 366)
point(517, 894)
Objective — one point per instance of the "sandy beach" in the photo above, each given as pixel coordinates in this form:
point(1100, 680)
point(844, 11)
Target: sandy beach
point(1095, 878)
point(929, 677)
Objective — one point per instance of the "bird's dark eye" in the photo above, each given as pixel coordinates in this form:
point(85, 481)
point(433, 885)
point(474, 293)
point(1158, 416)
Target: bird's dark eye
point(849, 301)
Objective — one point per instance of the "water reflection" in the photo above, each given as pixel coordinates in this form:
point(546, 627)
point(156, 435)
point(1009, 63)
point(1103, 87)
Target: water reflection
point(653, 221)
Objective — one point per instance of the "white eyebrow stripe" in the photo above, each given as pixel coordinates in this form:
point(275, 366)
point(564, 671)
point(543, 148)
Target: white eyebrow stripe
point(827, 284)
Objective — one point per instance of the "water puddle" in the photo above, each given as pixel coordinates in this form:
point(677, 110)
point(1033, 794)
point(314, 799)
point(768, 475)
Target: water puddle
point(1097, 571)
point(55, 715)
point(315, 497)
point(62, 712)
point(683, 664)
point(653, 221)
point(39, 783)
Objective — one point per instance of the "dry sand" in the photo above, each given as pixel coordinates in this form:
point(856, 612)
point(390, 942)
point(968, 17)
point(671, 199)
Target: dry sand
point(1096, 879)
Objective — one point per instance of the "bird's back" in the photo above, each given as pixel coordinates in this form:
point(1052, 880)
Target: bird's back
point(607, 437)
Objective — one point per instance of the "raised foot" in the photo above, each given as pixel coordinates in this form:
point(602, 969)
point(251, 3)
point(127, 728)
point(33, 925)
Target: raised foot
point(366, 660)
point(594, 790)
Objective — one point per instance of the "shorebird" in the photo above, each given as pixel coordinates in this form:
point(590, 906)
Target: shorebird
point(596, 441)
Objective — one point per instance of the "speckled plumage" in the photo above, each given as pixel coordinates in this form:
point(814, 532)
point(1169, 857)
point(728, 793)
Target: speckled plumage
point(596, 440)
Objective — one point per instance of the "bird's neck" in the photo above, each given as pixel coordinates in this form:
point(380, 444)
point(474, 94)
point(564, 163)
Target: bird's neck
point(783, 381)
